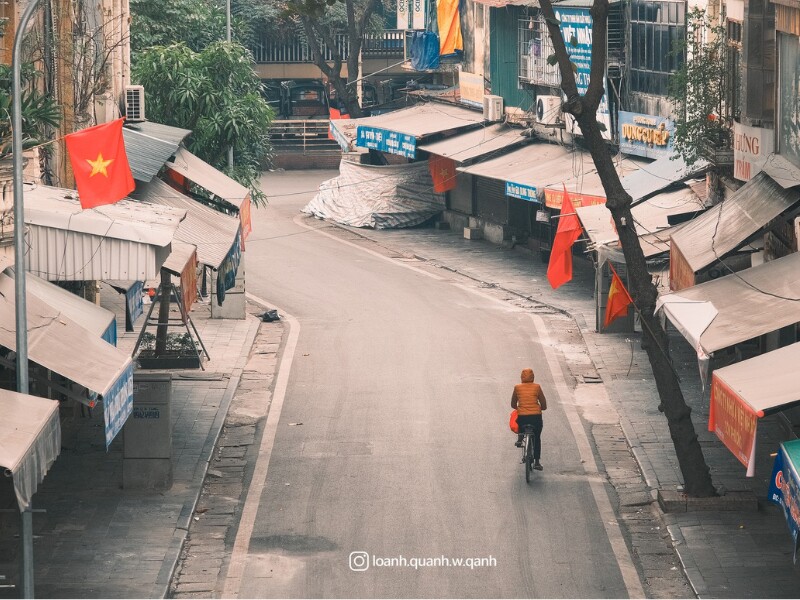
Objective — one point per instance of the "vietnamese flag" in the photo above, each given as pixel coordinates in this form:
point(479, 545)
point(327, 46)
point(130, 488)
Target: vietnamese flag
point(559, 269)
point(443, 172)
point(618, 299)
point(98, 158)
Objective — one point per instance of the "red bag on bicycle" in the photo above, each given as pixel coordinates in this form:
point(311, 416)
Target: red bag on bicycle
point(512, 421)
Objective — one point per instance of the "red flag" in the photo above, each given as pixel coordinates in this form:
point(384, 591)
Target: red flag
point(100, 164)
point(559, 270)
point(443, 172)
point(618, 299)
point(334, 114)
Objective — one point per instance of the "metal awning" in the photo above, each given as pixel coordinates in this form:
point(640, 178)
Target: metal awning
point(476, 143)
point(150, 145)
point(125, 240)
point(660, 174)
point(92, 317)
point(766, 382)
point(400, 131)
point(59, 344)
point(727, 226)
point(203, 174)
point(733, 309)
point(182, 254)
point(30, 440)
point(213, 233)
point(546, 169)
point(650, 220)
point(785, 173)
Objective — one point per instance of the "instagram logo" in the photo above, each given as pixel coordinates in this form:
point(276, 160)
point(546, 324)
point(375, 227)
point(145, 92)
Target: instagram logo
point(359, 561)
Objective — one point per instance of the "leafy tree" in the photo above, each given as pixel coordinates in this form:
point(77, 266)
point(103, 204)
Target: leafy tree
point(698, 88)
point(39, 111)
point(321, 20)
point(697, 479)
point(217, 95)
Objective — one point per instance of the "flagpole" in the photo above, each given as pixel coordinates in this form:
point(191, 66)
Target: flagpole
point(26, 561)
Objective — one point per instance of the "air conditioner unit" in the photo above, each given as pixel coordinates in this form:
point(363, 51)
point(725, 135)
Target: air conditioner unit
point(134, 103)
point(493, 108)
point(548, 109)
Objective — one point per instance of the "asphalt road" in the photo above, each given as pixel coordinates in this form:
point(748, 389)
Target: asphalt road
point(401, 382)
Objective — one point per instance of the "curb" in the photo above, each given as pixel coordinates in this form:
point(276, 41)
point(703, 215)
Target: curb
point(170, 562)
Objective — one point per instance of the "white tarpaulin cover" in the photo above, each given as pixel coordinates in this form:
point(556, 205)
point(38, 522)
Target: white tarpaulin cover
point(382, 197)
point(30, 440)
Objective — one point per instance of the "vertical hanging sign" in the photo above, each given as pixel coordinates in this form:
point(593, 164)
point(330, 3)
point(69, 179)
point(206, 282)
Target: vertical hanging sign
point(403, 13)
point(418, 14)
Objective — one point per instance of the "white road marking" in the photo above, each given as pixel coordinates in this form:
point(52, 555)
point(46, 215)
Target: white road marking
point(233, 580)
point(629, 574)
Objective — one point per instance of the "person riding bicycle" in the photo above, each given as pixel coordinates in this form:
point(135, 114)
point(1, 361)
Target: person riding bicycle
point(529, 400)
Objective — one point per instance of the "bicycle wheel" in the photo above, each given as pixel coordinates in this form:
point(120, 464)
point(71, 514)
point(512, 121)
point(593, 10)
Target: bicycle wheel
point(528, 458)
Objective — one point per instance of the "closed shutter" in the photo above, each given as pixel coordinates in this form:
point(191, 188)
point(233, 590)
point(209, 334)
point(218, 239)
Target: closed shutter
point(492, 200)
point(460, 197)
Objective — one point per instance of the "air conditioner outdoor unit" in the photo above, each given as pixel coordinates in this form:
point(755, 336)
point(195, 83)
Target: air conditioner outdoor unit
point(548, 109)
point(134, 103)
point(493, 108)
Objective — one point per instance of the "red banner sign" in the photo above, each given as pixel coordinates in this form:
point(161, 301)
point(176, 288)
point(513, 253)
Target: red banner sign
point(189, 283)
point(553, 198)
point(681, 275)
point(734, 422)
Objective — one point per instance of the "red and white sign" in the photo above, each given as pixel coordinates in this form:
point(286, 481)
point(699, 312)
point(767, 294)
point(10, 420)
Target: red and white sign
point(734, 422)
point(751, 147)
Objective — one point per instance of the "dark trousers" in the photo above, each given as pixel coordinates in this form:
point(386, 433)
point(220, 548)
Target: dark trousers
point(537, 424)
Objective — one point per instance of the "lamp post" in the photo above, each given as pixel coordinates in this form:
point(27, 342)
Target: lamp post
point(19, 275)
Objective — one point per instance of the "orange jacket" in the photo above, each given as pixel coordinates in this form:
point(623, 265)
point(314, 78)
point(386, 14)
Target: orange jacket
point(528, 397)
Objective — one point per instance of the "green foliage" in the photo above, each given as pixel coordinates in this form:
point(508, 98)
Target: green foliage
point(698, 89)
point(39, 111)
point(217, 94)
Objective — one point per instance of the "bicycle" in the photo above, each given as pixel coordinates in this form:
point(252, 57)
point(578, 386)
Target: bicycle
point(527, 451)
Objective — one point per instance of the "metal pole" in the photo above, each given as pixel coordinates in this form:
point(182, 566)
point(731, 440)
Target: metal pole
point(19, 275)
point(228, 37)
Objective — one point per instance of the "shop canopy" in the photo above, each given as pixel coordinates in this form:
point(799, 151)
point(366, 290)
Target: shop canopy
point(215, 234)
point(477, 143)
point(150, 145)
point(651, 219)
point(746, 391)
point(726, 227)
point(30, 440)
point(63, 346)
point(402, 131)
point(785, 173)
point(126, 240)
point(234, 196)
point(738, 307)
point(660, 174)
point(545, 169)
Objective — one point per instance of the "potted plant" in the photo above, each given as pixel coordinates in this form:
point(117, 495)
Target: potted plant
point(181, 352)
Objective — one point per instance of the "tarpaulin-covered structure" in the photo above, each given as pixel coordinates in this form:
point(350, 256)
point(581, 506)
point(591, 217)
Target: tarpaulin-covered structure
point(377, 196)
point(784, 487)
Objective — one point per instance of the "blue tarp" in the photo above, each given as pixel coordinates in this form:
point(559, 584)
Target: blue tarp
point(118, 404)
point(784, 488)
point(424, 50)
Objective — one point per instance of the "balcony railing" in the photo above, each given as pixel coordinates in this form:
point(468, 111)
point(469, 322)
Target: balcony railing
point(388, 44)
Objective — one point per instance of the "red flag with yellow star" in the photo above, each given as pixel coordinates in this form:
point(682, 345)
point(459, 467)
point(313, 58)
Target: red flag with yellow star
point(102, 172)
point(443, 173)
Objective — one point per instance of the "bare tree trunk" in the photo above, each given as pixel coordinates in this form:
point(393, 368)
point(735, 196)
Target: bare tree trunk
point(696, 475)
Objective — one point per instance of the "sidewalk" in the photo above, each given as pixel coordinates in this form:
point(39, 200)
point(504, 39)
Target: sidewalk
point(724, 554)
point(95, 539)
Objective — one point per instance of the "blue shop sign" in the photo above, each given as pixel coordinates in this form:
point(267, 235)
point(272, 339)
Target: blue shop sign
point(521, 191)
point(645, 135)
point(118, 404)
point(784, 488)
point(386, 140)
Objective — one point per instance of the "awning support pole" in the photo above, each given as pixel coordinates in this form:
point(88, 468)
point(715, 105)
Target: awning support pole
point(19, 261)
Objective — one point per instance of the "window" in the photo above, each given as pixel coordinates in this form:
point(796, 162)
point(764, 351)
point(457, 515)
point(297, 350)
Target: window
point(656, 26)
point(733, 69)
point(534, 48)
point(789, 96)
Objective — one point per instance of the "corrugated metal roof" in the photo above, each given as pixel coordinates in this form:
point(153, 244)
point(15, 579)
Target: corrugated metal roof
point(419, 121)
point(659, 174)
point(118, 241)
point(88, 315)
point(650, 219)
point(766, 381)
point(180, 256)
point(146, 154)
point(744, 310)
point(728, 225)
point(479, 142)
point(168, 133)
point(58, 343)
point(786, 174)
point(213, 233)
point(206, 176)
